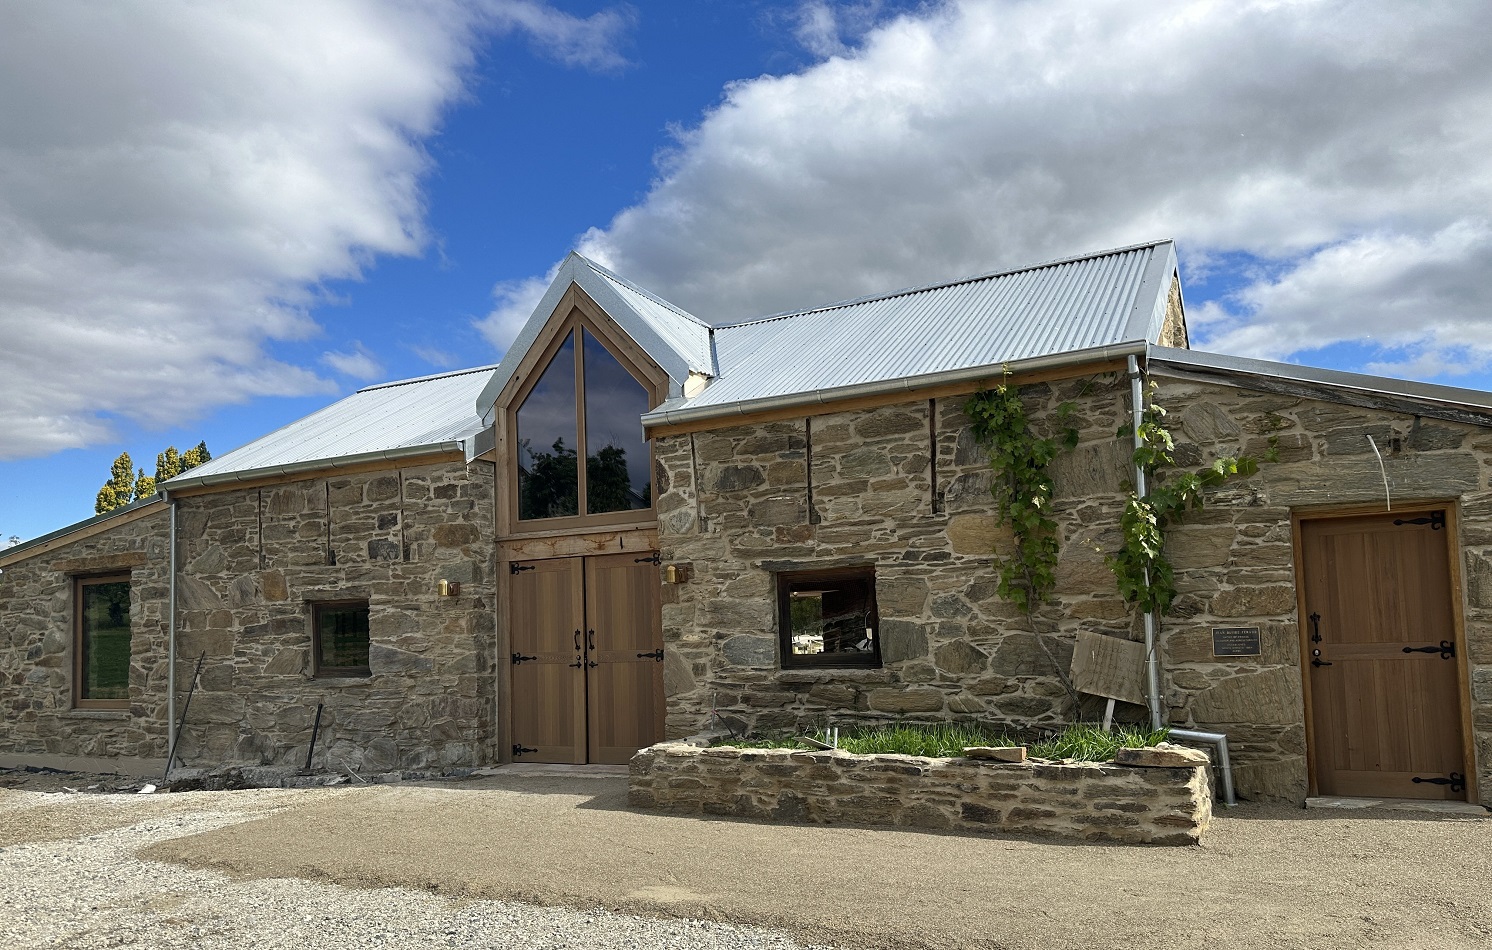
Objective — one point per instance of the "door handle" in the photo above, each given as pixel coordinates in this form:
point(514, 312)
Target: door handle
point(590, 639)
point(1315, 628)
point(578, 663)
point(1316, 659)
point(577, 641)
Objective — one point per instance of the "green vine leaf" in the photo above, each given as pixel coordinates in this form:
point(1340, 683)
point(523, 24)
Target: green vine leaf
point(1145, 576)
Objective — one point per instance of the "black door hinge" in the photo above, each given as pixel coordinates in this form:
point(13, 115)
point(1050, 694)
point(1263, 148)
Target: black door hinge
point(656, 654)
point(520, 658)
point(1457, 781)
point(1435, 519)
point(655, 558)
point(1447, 650)
point(516, 568)
point(521, 749)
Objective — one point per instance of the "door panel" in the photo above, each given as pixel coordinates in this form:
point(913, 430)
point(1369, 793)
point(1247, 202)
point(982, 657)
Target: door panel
point(548, 689)
point(1382, 717)
point(625, 687)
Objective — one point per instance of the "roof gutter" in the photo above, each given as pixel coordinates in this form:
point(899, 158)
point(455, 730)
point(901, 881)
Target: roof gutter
point(310, 465)
point(1096, 354)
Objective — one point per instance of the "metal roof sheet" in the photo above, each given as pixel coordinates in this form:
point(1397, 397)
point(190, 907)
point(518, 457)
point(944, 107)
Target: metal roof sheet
point(1469, 404)
point(1087, 303)
point(428, 412)
point(677, 341)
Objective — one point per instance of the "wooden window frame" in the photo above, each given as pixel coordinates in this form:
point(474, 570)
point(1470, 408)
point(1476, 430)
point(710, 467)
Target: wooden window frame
point(786, 580)
point(580, 314)
point(79, 583)
point(337, 672)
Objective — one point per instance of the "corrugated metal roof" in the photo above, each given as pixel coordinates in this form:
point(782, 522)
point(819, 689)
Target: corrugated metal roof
point(677, 341)
point(1099, 300)
point(431, 411)
point(1470, 405)
point(681, 329)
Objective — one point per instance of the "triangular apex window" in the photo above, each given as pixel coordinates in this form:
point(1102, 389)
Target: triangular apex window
point(553, 433)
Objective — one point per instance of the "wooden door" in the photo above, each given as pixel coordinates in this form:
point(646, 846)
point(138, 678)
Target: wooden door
point(624, 668)
point(546, 636)
point(1381, 657)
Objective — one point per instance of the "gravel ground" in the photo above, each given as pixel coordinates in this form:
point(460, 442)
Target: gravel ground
point(70, 877)
point(495, 863)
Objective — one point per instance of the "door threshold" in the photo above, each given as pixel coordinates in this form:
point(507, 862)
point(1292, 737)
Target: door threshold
point(1466, 809)
point(553, 770)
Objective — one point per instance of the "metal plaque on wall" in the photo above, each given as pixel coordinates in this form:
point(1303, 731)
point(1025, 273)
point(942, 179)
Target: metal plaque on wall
point(1235, 641)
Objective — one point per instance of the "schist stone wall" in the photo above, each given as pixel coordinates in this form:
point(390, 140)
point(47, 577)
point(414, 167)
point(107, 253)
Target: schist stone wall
point(1093, 801)
point(1237, 557)
point(36, 647)
point(905, 488)
point(253, 563)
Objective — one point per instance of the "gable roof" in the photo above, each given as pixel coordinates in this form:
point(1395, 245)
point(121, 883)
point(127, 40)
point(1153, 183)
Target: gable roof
point(1092, 307)
point(392, 420)
point(675, 339)
point(1471, 406)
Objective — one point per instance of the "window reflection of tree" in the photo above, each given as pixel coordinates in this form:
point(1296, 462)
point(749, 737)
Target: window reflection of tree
point(547, 485)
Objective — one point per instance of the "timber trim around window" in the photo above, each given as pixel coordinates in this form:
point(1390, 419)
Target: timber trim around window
point(577, 323)
point(828, 618)
point(340, 638)
point(101, 642)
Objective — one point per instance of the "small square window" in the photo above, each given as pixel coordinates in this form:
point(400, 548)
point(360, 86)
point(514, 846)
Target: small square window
point(101, 645)
point(828, 618)
point(340, 638)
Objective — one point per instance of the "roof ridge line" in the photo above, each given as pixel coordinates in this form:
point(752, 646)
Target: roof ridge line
point(908, 291)
point(426, 379)
point(643, 291)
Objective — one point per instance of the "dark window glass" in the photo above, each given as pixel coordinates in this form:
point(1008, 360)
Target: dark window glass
point(617, 460)
point(548, 463)
point(341, 639)
point(828, 618)
point(104, 640)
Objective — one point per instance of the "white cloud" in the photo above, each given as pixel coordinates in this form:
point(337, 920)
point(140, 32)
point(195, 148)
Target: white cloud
point(177, 179)
point(434, 355)
point(1343, 149)
point(357, 361)
point(513, 303)
point(829, 29)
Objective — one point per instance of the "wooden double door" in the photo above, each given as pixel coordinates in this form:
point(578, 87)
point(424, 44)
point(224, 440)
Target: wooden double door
point(587, 658)
point(1381, 648)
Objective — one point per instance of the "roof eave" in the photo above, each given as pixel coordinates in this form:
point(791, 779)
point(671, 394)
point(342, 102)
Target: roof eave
point(19, 552)
point(307, 466)
point(1099, 354)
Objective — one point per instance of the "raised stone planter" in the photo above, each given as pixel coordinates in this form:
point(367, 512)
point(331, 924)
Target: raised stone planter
point(1085, 800)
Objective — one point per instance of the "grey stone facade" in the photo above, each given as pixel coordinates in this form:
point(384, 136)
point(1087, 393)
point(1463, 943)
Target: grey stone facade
point(255, 560)
point(252, 563)
point(36, 647)
point(739, 505)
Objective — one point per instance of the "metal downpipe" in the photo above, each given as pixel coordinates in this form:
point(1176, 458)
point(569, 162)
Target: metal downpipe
point(171, 645)
point(1152, 654)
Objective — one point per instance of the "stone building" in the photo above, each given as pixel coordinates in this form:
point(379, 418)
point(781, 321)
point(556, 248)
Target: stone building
point(781, 524)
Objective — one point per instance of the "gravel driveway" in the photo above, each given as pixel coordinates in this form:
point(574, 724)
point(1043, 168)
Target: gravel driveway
point(560, 862)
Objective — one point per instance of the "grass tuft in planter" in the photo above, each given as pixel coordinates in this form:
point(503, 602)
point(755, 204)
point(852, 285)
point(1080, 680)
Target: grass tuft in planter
point(1084, 742)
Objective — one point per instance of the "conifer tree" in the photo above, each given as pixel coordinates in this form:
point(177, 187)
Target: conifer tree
point(127, 484)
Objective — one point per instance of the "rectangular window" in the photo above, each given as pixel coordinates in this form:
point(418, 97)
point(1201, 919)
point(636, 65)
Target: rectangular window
point(340, 632)
point(101, 649)
point(828, 618)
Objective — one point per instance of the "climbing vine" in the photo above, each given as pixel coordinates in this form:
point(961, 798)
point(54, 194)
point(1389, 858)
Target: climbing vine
point(1022, 488)
point(1145, 575)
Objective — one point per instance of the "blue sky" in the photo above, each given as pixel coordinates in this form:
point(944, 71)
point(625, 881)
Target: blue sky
point(215, 223)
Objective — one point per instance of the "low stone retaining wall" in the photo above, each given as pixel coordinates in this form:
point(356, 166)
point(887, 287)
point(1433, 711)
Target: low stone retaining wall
point(1086, 800)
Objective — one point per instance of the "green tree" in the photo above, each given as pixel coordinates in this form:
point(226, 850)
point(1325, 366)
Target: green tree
point(127, 484)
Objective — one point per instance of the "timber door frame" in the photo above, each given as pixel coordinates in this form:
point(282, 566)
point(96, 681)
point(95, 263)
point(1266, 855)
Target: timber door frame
point(1458, 620)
